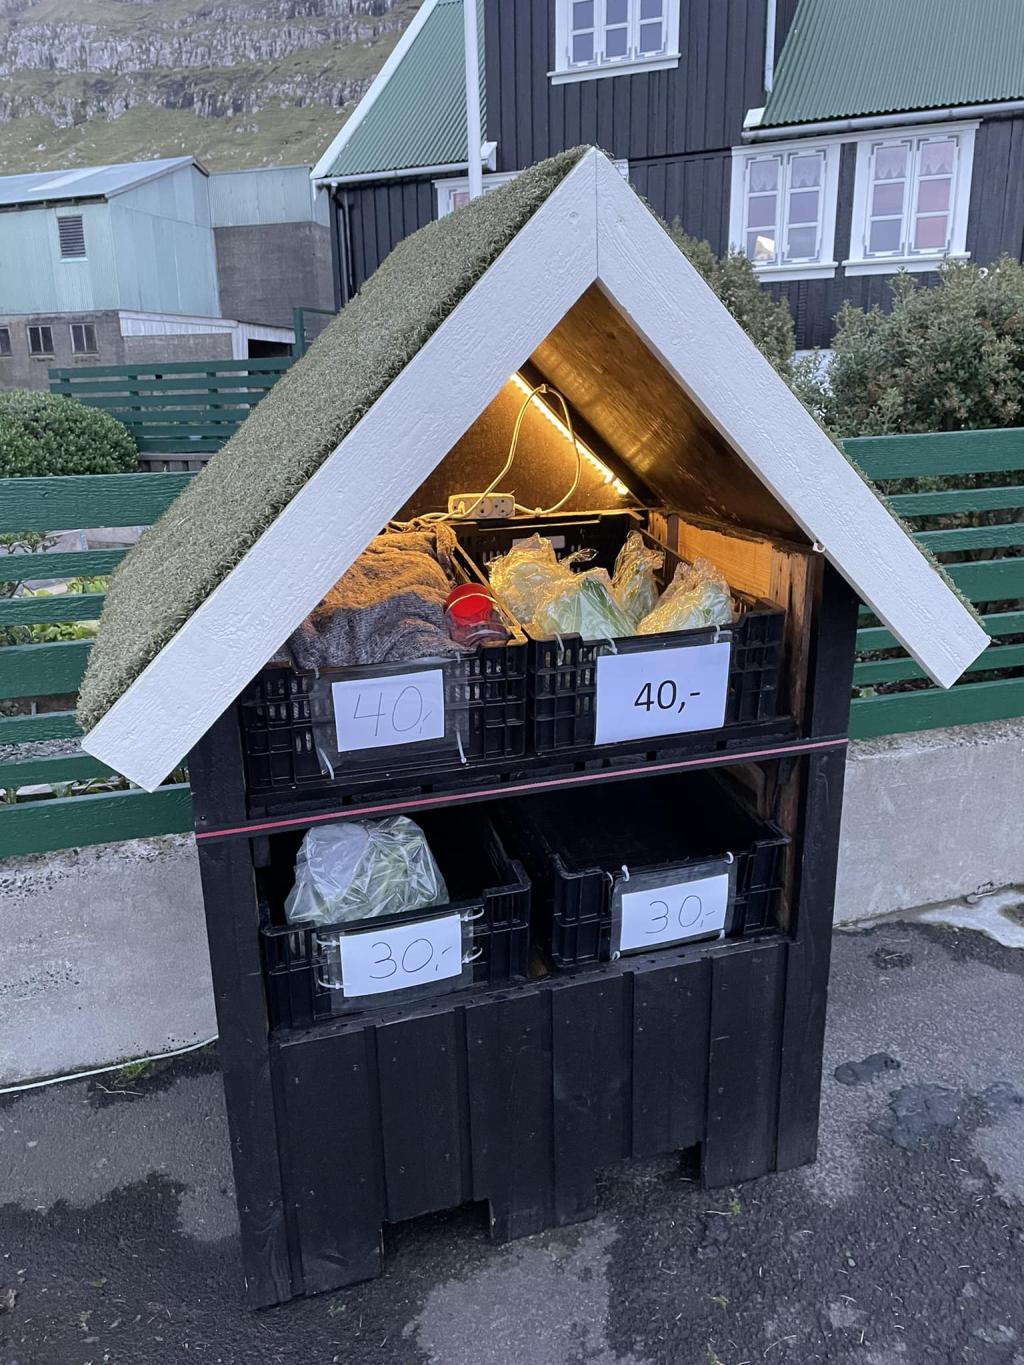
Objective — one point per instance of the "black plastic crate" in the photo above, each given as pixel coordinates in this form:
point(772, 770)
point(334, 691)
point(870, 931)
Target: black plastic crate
point(577, 847)
point(563, 671)
point(485, 885)
point(288, 723)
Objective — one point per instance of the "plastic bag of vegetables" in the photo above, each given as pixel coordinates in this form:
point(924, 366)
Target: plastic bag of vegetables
point(363, 869)
point(582, 604)
point(633, 585)
point(521, 577)
point(697, 596)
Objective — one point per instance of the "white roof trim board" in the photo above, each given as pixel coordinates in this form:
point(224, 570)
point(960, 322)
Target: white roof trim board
point(322, 169)
point(593, 228)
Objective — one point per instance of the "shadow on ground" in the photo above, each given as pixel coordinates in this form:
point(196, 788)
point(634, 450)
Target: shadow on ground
point(902, 1246)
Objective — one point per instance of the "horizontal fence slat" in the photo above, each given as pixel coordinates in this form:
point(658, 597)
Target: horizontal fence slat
point(233, 384)
point(972, 538)
point(938, 453)
point(228, 400)
point(59, 503)
point(45, 725)
point(260, 364)
point(955, 501)
point(74, 564)
point(931, 708)
point(42, 670)
point(178, 445)
point(39, 611)
point(107, 817)
point(30, 772)
point(989, 580)
point(874, 638)
point(904, 668)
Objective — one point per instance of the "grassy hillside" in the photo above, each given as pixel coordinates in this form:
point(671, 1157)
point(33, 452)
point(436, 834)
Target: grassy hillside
point(237, 82)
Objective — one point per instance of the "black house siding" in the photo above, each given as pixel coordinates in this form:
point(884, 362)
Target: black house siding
point(697, 107)
point(380, 215)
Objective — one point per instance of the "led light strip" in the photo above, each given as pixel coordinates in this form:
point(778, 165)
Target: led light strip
point(584, 450)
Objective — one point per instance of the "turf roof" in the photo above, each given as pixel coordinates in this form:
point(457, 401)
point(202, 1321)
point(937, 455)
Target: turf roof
point(248, 483)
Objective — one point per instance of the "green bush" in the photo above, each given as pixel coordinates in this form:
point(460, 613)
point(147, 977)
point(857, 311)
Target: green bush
point(44, 433)
point(767, 321)
point(946, 358)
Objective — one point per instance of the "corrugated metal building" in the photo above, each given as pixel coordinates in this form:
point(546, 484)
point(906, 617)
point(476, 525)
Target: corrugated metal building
point(155, 260)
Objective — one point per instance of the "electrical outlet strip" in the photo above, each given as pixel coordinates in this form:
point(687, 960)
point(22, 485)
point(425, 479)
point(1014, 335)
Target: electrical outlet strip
point(485, 508)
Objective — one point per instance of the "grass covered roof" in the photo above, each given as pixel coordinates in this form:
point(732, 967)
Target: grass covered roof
point(247, 484)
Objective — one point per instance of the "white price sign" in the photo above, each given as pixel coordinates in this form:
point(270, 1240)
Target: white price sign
point(662, 692)
point(403, 708)
point(673, 913)
point(377, 960)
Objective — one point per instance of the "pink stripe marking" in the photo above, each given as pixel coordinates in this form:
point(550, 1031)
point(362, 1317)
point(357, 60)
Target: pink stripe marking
point(461, 798)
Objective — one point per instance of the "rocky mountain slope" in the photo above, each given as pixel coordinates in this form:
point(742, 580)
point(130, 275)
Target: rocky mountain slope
point(238, 82)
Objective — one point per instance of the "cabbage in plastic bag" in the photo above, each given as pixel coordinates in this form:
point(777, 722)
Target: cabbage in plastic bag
point(582, 605)
point(362, 869)
point(522, 577)
point(633, 584)
point(697, 596)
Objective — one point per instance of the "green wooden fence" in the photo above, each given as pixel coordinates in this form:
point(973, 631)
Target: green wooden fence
point(186, 409)
point(44, 669)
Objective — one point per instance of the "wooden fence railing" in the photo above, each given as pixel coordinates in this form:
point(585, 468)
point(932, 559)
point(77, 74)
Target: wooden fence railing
point(181, 411)
point(890, 696)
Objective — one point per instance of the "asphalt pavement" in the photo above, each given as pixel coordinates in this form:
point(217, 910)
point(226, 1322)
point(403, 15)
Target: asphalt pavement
point(903, 1245)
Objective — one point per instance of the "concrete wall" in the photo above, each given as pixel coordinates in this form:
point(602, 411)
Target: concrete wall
point(180, 346)
point(103, 954)
point(265, 271)
point(20, 370)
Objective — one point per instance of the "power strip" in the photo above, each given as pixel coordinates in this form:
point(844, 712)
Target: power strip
point(489, 507)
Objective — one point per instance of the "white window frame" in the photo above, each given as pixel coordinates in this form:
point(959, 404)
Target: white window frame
point(567, 71)
point(448, 189)
point(822, 268)
point(86, 350)
point(40, 327)
point(860, 262)
point(6, 340)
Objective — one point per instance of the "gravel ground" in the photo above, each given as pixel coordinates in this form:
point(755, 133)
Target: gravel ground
point(902, 1246)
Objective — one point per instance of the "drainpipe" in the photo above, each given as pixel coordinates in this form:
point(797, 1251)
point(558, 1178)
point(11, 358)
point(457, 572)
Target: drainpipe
point(769, 46)
point(474, 135)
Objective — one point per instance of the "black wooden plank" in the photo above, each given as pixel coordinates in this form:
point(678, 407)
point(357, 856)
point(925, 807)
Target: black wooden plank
point(808, 967)
point(542, 28)
point(229, 896)
point(832, 653)
point(331, 1156)
point(671, 1014)
point(525, 76)
point(422, 1107)
point(591, 1020)
point(747, 997)
point(509, 1073)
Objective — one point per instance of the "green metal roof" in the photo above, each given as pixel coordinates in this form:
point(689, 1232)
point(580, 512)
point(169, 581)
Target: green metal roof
point(418, 118)
point(845, 58)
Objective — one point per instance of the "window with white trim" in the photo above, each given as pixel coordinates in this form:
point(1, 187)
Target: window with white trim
point(604, 37)
point(83, 338)
point(5, 341)
point(783, 207)
point(911, 199)
point(40, 339)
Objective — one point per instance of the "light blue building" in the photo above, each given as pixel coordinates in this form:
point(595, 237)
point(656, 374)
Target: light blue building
point(155, 260)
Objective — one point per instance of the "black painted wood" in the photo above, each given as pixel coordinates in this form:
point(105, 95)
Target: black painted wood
point(671, 1017)
point(229, 895)
point(747, 994)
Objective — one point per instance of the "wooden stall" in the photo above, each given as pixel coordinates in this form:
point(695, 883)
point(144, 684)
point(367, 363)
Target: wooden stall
point(639, 831)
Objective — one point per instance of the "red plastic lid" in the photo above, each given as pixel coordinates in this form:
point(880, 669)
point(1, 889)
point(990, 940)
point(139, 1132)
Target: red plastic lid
point(469, 604)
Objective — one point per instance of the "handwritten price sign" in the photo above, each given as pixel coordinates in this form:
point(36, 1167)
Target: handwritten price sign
point(374, 961)
point(662, 692)
point(672, 913)
point(403, 708)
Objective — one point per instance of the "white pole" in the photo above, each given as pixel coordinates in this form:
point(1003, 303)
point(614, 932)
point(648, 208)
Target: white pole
point(474, 135)
point(769, 47)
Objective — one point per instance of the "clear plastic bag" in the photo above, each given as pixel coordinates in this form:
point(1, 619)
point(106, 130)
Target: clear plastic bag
point(583, 604)
point(363, 869)
point(697, 596)
point(522, 577)
point(633, 583)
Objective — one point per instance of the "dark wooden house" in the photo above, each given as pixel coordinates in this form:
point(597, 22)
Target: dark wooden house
point(834, 143)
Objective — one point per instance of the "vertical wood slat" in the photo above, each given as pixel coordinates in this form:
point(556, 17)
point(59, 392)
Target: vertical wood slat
point(511, 1099)
point(671, 1009)
point(422, 1103)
